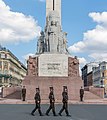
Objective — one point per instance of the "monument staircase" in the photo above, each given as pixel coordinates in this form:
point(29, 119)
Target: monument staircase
point(88, 96)
point(73, 84)
point(15, 95)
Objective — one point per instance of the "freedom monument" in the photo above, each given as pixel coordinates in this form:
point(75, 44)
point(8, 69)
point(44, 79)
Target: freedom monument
point(52, 64)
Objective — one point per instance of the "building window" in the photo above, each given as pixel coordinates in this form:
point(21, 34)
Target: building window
point(2, 55)
point(103, 67)
point(0, 80)
point(5, 80)
point(5, 65)
point(5, 55)
point(0, 65)
point(103, 74)
point(5, 71)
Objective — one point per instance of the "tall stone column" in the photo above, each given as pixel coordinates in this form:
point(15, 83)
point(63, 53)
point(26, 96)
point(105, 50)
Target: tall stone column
point(53, 5)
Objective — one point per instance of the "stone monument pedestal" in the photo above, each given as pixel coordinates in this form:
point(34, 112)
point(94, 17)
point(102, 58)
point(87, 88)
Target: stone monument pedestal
point(58, 70)
point(73, 84)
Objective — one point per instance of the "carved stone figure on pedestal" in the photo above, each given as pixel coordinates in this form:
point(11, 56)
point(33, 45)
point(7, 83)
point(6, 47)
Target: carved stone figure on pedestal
point(40, 43)
point(32, 64)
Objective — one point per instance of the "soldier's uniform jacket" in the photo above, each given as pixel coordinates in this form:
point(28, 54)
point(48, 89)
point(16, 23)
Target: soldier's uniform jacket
point(51, 97)
point(23, 91)
point(65, 97)
point(81, 92)
point(37, 98)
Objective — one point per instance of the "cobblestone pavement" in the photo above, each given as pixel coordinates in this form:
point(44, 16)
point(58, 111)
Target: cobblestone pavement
point(78, 112)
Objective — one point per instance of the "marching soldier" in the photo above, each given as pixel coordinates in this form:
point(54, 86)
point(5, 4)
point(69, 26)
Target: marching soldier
point(23, 93)
point(81, 94)
point(37, 101)
point(52, 101)
point(65, 102)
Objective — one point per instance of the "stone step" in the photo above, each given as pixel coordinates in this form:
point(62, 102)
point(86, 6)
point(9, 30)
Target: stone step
point(15, 95)
point(89, 95)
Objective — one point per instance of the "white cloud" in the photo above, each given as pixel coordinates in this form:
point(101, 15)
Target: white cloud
point(16, 27)
point(78, 47)
point(26, 57)
point(82, 61)
point(99, 17)
point(94, 41)
point(99, 56)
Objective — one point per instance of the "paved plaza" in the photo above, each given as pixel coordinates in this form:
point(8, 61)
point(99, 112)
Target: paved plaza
point(78, 112)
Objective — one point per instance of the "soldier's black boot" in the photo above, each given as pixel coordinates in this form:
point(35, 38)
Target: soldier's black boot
point(55, 115)
point(47, 114)
point(68, 115)
point(41, 114)
point(59, 114)
point(32, 114)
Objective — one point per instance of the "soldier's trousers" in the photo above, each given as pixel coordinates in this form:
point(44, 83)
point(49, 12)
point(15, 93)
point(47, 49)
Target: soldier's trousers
point(81, 97)
point(52, 106)
point(64, 107)
point(37, 107)
point(23, 97)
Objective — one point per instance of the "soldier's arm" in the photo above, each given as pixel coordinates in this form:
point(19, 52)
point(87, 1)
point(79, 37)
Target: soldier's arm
point(53, 98)
point(25, 91)
point(49, 96)
point(62, 94)
point(35, 97)
point(83, 91)
point(39, 99)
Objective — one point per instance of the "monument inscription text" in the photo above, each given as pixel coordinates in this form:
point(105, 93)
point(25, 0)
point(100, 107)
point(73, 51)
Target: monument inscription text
point(53, 65)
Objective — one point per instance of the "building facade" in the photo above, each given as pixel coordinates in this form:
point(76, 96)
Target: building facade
point(87, 71)
point(89, 79)
point(100, 75)
point(12, 71)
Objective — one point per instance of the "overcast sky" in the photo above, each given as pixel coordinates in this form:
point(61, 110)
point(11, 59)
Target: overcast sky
point(85, 21)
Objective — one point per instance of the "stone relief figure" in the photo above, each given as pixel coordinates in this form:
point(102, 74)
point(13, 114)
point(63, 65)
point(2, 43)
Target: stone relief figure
point(52, 31)
point(65, 42)
point(53, 40)
point(73, 66)
point(40, 43)
point(31, 65)
point(76, 61)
